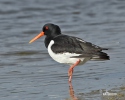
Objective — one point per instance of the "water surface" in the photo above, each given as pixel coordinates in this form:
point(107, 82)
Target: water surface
point(27, 72)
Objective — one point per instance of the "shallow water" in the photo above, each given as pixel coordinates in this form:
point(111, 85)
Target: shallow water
point(26, 70)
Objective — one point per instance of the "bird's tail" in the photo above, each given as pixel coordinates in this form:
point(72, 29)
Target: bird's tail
point(100, 56)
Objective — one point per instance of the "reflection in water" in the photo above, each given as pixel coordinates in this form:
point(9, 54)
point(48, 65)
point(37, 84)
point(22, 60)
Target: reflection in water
point(71, 92)
point(104, 95)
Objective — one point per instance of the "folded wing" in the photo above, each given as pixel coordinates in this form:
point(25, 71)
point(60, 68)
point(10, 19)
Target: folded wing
point(76, 45)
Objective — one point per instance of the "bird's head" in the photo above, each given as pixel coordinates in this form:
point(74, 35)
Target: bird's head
point(50, 30)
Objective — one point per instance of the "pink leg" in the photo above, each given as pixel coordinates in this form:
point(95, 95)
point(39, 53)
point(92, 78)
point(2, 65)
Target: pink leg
point(70, 71)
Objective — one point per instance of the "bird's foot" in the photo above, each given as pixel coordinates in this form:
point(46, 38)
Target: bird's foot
point(70, 78)
point(70, 72)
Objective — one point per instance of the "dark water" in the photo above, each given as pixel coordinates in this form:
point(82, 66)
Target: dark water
point(26, 70)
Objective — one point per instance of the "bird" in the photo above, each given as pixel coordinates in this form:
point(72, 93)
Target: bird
point(69, 49)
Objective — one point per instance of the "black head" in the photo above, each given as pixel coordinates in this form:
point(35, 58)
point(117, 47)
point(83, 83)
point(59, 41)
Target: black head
point(51, 30)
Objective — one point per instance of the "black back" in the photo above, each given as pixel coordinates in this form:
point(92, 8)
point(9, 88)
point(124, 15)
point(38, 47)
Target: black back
point(64, 43)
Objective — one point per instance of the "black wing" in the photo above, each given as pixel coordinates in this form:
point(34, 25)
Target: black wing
point(64, 43)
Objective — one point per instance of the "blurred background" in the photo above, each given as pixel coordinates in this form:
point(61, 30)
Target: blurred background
point(27, 72)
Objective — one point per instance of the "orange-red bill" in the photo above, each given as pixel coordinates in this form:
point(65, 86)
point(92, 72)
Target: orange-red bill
point(37, 37)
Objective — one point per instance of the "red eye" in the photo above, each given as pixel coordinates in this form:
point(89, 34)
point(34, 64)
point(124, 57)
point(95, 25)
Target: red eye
point(46, 27)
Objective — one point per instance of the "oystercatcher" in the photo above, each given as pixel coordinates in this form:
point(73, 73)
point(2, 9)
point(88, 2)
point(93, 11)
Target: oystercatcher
point(69, 49)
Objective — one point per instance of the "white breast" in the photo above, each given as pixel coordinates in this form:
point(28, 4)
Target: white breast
point(64, 57)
